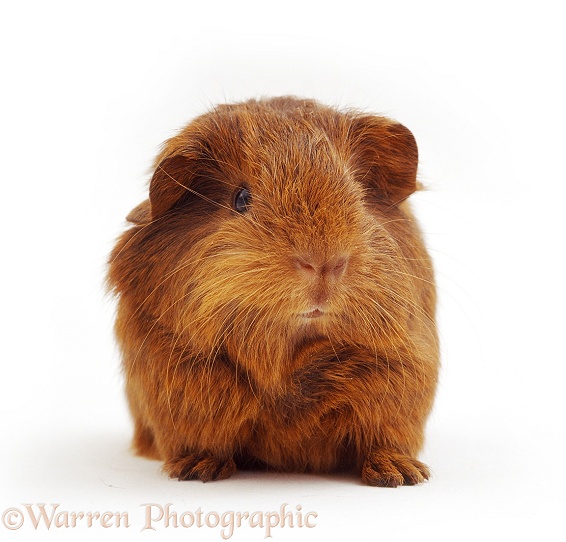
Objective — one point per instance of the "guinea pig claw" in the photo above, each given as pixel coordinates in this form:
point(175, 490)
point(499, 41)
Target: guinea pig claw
point(387, 468)
point(199, 466)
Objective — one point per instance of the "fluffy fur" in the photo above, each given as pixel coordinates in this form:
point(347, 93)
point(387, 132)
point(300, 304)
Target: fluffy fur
point(297, 333)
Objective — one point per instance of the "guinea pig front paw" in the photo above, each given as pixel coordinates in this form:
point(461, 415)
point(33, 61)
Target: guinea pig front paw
point(202, 466)
point(387, 468)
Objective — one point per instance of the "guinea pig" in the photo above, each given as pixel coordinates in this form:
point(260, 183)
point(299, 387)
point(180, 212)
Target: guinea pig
point(275, 301)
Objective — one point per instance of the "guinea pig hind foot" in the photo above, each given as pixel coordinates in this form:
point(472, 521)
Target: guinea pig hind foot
point(202, 466)
point(387, 468)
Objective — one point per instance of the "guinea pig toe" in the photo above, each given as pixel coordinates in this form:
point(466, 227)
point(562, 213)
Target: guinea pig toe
point(386, 468)
point(200, 466)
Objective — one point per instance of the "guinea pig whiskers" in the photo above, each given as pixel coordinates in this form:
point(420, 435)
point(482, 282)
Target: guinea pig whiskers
point(415, 277)
point(161, 315)
point(169, 307)
point(377, 331)
point(415, 310)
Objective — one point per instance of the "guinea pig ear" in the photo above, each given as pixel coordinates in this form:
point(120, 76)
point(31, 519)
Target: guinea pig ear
point(141, 214)
point(386, 156)
point(169, 184)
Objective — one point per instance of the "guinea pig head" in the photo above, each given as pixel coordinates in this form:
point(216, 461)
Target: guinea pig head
point(280, 224)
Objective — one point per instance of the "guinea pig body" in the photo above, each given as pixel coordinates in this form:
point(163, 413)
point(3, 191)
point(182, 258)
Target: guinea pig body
point(275, 300)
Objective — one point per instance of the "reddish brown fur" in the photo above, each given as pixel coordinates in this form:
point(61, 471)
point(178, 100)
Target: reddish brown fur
point(223, 367)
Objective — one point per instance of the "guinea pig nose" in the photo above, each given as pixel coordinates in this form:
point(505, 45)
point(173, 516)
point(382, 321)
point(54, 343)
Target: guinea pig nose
point(312, 266)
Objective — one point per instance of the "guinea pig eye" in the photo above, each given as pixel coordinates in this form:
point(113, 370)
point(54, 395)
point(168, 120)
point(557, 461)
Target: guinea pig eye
point(242, 200)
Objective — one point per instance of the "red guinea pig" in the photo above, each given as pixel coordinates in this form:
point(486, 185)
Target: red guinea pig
point(276, 304)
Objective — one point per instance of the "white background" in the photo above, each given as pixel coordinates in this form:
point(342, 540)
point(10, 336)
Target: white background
point(89, 92)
